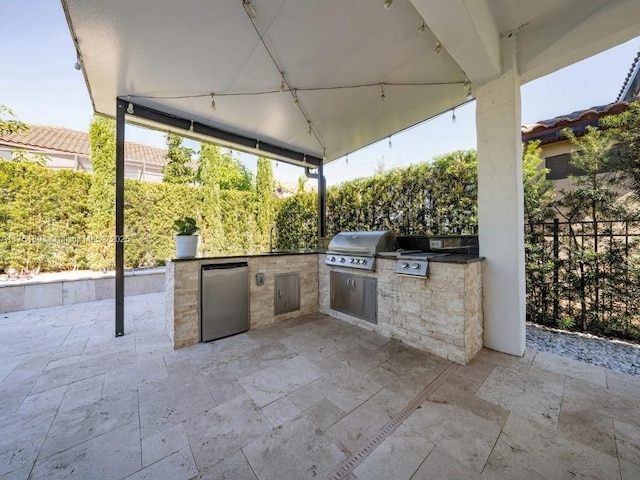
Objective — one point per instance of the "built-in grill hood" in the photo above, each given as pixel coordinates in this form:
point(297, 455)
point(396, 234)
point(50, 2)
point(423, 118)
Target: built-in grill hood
point(362, 243)
point(358, 249)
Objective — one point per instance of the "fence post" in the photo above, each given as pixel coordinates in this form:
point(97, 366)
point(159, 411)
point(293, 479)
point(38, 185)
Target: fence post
point(556, 273)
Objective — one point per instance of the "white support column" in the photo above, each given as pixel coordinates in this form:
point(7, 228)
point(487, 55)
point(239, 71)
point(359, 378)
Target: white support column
point(500, 206)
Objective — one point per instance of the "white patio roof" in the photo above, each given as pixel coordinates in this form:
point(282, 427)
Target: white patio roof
point(335, 56)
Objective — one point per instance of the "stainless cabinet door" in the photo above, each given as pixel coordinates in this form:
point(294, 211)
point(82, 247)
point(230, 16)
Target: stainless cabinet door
point(364, 298)
point(287, 293)
point(340, 292)
point(224, 302)
point(355, 295)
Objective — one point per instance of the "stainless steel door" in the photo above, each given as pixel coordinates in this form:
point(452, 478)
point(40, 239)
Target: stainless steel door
point(355, 295)
point(224, 300)
point(364, 298)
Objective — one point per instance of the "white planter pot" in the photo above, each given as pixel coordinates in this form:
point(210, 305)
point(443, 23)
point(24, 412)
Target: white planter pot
point(186, 246)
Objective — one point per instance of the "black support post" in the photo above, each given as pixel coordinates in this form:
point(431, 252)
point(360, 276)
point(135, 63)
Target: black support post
point(322, 203)
point(119, 237)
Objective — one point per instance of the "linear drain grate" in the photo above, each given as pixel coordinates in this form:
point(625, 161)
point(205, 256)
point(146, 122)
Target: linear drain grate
point(374, 441)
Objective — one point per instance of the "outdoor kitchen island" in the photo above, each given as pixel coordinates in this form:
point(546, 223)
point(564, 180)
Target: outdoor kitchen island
point(441, 313)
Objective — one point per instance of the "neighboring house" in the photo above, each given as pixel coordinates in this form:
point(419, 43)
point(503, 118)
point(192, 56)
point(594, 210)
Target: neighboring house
point(70, 149)
point(556, 149)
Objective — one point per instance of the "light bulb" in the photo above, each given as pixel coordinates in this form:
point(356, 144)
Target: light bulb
point(390, 145)
point(251, 11)
point(422, 29)
point(213, 103)
point(130, 108)
point(191, 126)
point(388, 4)
point(282, 86)
point(382, 95)
point(309, 132)
point(77, 65)
point(453, 115)
point(438, 48)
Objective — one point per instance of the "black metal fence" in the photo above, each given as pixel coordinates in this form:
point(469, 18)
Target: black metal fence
point(585, 276)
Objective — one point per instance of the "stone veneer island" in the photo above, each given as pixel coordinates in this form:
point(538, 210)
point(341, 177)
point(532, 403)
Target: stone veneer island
point(441, 314)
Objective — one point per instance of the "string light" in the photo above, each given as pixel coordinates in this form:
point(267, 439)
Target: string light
point(346, 160)
point(438, 48)
point(130, 107)
point(304, 158)
point(250, 9)
point(390, 145)
point(77, 65)
point(213, 103)
point(293, 91)
point(388, 4)
point(257, 144)
point(309, 132)
point(296, 102)
point(282, 85)
point(382, 95)
point(422, 28)
point(324, 154)
point(453, 115)
point(191, 126)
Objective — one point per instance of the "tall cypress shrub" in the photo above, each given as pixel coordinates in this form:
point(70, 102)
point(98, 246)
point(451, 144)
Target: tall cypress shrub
point(102, 195)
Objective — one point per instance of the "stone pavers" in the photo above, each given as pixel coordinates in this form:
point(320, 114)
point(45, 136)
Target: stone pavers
point(292, 400)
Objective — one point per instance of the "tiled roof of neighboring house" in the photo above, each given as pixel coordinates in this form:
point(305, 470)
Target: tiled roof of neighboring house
point(73, 141)
point(548, 131)
point(631, 78)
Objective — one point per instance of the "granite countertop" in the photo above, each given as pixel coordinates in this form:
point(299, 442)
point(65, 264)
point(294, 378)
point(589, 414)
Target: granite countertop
point(459, 258)
point(275, 253)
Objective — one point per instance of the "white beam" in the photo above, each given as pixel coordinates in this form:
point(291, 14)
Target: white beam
point(554, 41)
point(501, 207)
point(466, 29)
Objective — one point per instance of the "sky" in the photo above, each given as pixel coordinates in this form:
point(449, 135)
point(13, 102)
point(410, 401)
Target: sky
point(39, 83)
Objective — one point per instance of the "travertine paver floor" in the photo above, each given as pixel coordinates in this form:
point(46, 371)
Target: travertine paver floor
point(293, 401)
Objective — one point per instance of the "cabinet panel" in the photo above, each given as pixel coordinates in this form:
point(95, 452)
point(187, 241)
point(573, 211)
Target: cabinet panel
point(287, 293)
point(355, 295)
point(365, 298)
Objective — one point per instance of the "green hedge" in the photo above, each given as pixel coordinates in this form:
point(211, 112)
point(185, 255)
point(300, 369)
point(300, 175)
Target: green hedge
point(426, 198)
point(43, 216)
point(47, 224)
point(60, 220)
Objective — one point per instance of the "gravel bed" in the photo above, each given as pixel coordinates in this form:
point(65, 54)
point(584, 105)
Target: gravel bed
point(614, 354)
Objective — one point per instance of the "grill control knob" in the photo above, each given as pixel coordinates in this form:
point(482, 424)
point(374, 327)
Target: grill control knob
point(363, 261)
point(342, 260)
point(332, 259)
point(415, 266)
point(353, 260)
point(404, 265)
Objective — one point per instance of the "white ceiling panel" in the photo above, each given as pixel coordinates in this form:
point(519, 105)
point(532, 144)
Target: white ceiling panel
point(334, 54)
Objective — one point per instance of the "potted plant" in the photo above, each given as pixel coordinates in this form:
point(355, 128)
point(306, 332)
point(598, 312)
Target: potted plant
point(186, 238)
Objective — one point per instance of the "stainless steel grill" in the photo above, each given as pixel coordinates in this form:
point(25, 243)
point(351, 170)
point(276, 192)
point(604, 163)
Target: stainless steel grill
point(358, 249)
